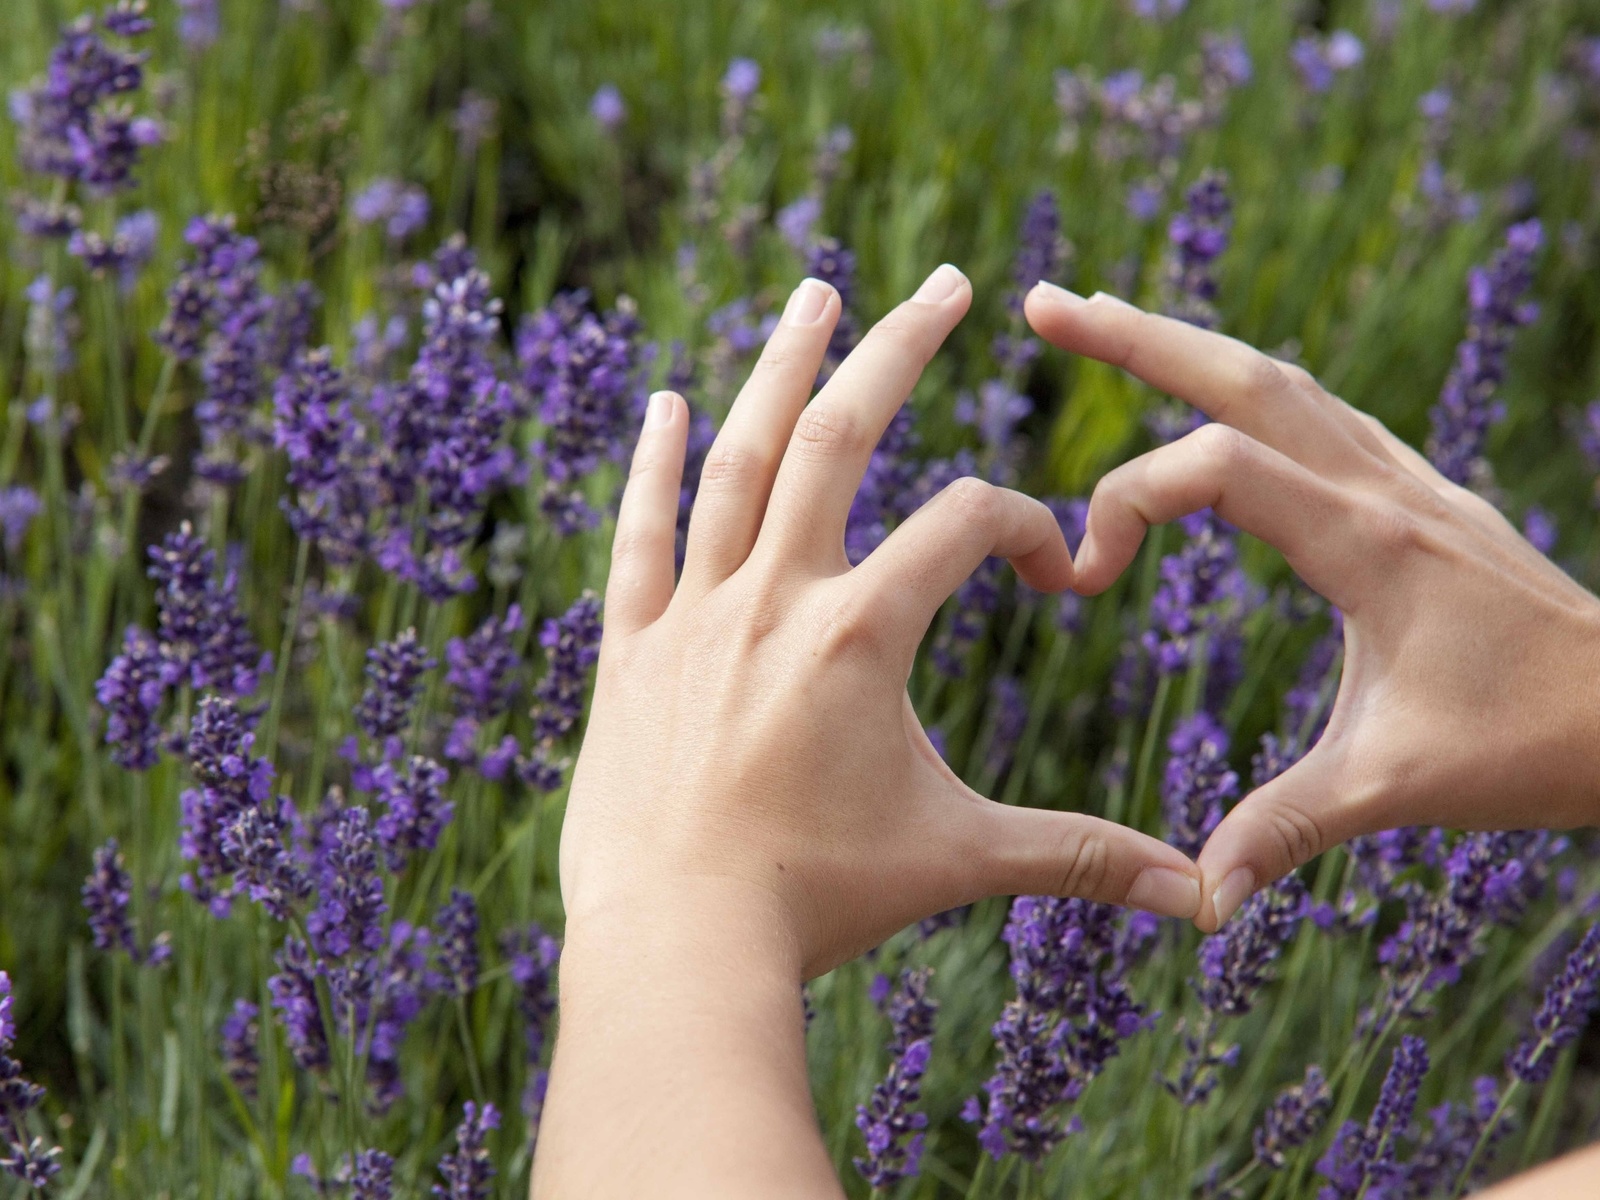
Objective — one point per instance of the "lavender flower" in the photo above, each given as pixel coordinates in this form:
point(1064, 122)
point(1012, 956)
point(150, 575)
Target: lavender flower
point(386, 995)
point(456, 934)
point(107, 894)
point(975, 601)
point(131, 692)
point(1569, 1001)
point(482, 668)
point(241, 1054)
point(583, 368)
point(1320, 60)
point(348, 918)
point(1201, 600)
point(373, 1177)
point(401, 208)
point(124, 254)
point(467, 1173)
point(70, 123)
point(1235, 964)
point(200, 628)
point(1041, 250)
point(607, 107)
point(1489, 879)
point(1467, 407)
point(1199, 235)
point(889, 1121)
point(330, 458)
point(394, 682)
point(830, 262)
point(1071, 1013)
point(26, 1158)
point(443, 431)
point(415, 807)
point(1008, 701)
point(198, 23)
point(1295, 1117)
point(1198, 781)
point(572, 645)
point(51, 329)
point(294, 995)
point(532, 955)
point(1361, 1160)
point(1539, 527)
point(1452, 1143)
point(796, 220)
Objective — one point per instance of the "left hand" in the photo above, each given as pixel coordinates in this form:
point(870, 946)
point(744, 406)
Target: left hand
point(751, 733)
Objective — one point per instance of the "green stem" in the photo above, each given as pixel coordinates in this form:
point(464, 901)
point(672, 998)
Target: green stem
point(269, 739)
point(1147, 749)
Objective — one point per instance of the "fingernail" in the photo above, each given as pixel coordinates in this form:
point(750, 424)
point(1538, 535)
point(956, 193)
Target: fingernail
point(807, 302)
point(1231, 893)
point(1165, 891)
point(941, 285)
point(1059, 295)
point(659, 411)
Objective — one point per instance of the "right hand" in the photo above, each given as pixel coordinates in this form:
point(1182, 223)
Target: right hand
point(1471, 688)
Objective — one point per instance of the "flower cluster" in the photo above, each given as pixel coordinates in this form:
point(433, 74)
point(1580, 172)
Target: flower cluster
point(468, 1173)
point(1467, 407)
point(71, 124)
point(531, 955)
point(1569, 1000)
point(1295, 1117)
point(1072, 1012)
point(1198, 782)
point(571, 644)
point(107, 896)
point(889, 1121)
point(26, 1158)
point(583, 370)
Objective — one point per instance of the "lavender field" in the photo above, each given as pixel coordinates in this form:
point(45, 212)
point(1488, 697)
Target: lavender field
point(326, 330)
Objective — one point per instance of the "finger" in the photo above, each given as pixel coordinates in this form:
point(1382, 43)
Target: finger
point(913, 572)
point(1029, 851)
point(834, 437)
point(1248, 484)
point(642, 551)
point(1224, 378)
point(1281, 825)
point(739, 468)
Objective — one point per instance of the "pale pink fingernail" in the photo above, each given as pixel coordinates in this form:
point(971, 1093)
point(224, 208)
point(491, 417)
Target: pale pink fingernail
point(940, 286)
point(1165, 891)
point(1059, 295)
point(659, 411)
point(1232, 892)
point(807, 302)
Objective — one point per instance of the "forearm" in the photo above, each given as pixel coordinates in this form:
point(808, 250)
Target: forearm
point(680, 1065)
point(1569, 1178)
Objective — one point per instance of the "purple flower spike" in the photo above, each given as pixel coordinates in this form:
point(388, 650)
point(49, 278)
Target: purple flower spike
point(1071, 1014)
point(107, 894)
point(294, 995)
point(348, 919)
point(1569, 1001)
point(456, 943)
point(483, 667)
point(607, 107)
point(331, 461)
point(200, 628)
point(241, 1054)
point(131, 692)
point(1198, 781)
point(373, 1177)
point(1296, 1116)
point(1199, 234)
point(26, 1158)
point(889, 1121)
point(532, 955)
point(394, 682)
point(416, 809)
point(1361, 1161)
point(1467, 407)
point(468, 1173)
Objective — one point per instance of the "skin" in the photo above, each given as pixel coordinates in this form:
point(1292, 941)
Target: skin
point(756, 801)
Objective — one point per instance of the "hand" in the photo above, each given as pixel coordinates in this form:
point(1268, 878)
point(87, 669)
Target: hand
point(751, 725)
point(1471, 687)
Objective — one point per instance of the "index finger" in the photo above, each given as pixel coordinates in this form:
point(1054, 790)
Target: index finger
point(1227, 380)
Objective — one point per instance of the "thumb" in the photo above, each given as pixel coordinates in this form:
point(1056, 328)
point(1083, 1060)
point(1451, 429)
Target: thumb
point(1029, 851)
point(1276, 828)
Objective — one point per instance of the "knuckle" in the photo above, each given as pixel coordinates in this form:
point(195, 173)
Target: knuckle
point(1085, 863)
point(1295, 833)
point(1390, 528)
point(826, 432)
point(854, 629)
point(1261, 376)
point(1298, 375)
point(783, 356)
point(974, 500)
point(632, 541)
point(1221, 447)
point(730, 466)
